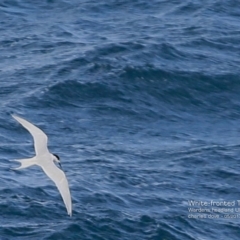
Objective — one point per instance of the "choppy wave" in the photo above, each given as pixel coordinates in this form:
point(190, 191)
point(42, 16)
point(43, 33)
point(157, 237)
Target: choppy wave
point(140, 100)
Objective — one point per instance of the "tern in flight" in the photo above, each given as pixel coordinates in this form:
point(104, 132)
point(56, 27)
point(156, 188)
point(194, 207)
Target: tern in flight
point(46, 161)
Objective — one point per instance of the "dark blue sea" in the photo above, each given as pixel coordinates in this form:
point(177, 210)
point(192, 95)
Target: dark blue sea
point(141, 101)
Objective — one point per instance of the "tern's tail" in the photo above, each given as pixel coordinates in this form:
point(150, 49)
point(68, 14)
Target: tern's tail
point(25, 163)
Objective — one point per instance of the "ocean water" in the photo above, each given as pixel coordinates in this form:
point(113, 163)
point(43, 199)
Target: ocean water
point(141, 101)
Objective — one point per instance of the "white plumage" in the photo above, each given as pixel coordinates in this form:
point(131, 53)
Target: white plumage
point(45, 160)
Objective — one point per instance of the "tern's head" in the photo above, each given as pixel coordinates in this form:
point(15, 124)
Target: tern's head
point(56, 158)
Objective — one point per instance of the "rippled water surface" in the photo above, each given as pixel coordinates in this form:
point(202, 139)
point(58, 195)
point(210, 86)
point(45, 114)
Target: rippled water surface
point(141, 100)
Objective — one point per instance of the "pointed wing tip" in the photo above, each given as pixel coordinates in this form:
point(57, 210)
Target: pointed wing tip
point(69, 211)
point(15, 116)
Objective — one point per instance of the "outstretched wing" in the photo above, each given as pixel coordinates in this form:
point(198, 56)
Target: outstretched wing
point(59, 178)
point(39, 137)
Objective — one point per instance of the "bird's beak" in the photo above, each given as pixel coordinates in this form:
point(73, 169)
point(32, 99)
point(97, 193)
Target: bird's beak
point(60, 165)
